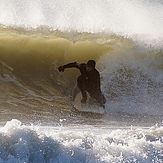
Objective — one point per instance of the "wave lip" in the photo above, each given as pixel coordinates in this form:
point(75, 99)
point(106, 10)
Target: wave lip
point(119, 17)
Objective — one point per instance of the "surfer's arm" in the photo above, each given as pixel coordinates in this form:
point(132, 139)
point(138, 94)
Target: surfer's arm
point(69, 65)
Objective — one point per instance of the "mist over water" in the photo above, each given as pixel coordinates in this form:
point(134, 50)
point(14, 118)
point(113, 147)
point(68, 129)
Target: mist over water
point(126, 18)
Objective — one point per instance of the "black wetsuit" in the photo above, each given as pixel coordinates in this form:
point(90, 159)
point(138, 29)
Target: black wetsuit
point(88, 81)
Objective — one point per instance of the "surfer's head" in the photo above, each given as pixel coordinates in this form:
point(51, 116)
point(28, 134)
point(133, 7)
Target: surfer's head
point(90, 65)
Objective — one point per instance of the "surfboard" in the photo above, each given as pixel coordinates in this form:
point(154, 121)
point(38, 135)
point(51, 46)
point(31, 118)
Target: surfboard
point(90, 106)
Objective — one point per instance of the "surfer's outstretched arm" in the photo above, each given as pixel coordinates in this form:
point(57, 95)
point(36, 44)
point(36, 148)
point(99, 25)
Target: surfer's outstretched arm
point(69, 65)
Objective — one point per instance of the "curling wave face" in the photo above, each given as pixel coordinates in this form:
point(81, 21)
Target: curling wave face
point(131, 74)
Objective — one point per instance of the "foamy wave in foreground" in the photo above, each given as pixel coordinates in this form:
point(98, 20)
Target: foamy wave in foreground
point(40, 144)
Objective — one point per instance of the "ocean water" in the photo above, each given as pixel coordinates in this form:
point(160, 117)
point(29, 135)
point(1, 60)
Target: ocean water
point(38, 123)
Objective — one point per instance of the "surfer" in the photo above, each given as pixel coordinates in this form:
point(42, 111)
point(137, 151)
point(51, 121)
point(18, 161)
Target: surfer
point(89, 80)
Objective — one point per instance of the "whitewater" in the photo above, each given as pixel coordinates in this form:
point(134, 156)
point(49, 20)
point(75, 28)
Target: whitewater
point(38, 122)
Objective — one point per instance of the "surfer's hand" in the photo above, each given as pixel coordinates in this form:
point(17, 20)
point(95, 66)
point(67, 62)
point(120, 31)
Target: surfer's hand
point(61, 69)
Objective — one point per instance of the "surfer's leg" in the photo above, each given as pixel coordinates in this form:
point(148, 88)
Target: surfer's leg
point(82, 86)
point(98, 96)
point(102, 99)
